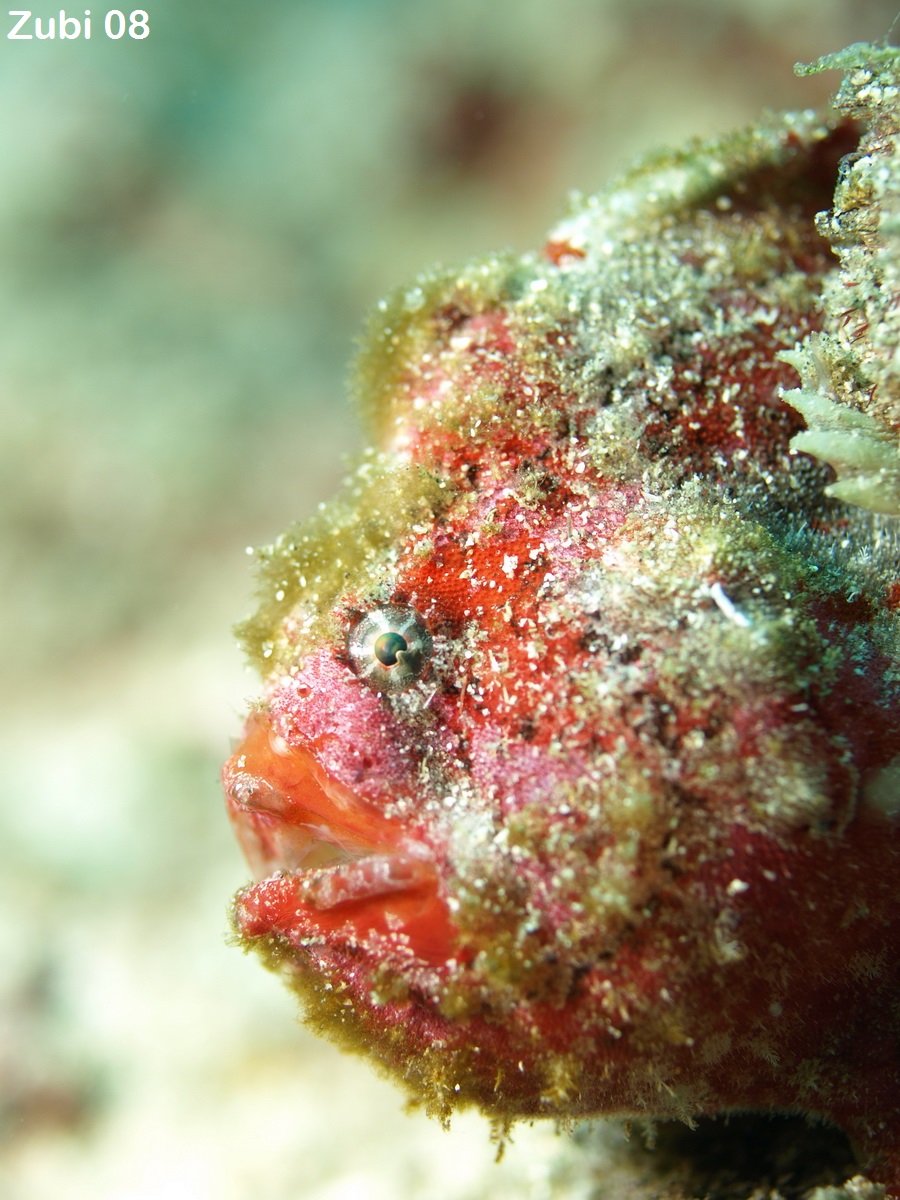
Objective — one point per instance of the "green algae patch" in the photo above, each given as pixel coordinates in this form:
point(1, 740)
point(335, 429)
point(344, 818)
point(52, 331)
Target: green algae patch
point(353, 540)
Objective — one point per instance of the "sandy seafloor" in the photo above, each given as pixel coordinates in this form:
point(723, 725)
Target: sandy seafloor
point(191, 229)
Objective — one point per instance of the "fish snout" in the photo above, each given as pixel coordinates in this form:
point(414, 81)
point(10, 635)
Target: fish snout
point(325, 861)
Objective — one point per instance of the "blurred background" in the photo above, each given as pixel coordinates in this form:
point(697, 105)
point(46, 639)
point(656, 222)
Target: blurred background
point(192, 227)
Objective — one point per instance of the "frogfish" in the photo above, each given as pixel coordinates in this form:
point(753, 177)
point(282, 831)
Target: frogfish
point(574, 783)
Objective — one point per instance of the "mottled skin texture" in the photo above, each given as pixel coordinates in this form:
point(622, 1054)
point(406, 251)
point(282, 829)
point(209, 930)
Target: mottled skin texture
point(626, 838)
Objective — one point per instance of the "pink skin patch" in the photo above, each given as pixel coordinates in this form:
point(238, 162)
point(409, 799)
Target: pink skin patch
point(325, 860)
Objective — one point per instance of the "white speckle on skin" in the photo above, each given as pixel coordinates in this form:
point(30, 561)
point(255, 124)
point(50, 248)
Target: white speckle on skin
point(726, 606)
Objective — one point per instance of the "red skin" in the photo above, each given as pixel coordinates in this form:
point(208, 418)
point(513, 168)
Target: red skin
point(832, 1011)
point(752, 961)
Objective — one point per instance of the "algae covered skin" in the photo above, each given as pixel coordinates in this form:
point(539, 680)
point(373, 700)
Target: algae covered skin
point(574, 785)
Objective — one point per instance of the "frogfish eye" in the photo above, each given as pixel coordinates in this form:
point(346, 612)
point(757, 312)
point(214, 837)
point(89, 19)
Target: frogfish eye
point(389, 648)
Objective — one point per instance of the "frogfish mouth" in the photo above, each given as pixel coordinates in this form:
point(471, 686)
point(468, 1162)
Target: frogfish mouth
point(574, 784)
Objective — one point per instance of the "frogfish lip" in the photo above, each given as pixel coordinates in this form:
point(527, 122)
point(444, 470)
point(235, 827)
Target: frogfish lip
point(329, 865)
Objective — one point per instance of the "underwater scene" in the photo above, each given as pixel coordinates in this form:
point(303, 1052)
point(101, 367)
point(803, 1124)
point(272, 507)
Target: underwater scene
point(476, 426)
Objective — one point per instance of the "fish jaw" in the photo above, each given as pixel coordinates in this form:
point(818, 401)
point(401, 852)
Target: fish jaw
point(328, 864)
point(376, 967)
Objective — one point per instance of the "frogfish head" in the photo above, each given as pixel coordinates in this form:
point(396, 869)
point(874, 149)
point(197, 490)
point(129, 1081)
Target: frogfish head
point(574, 777)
